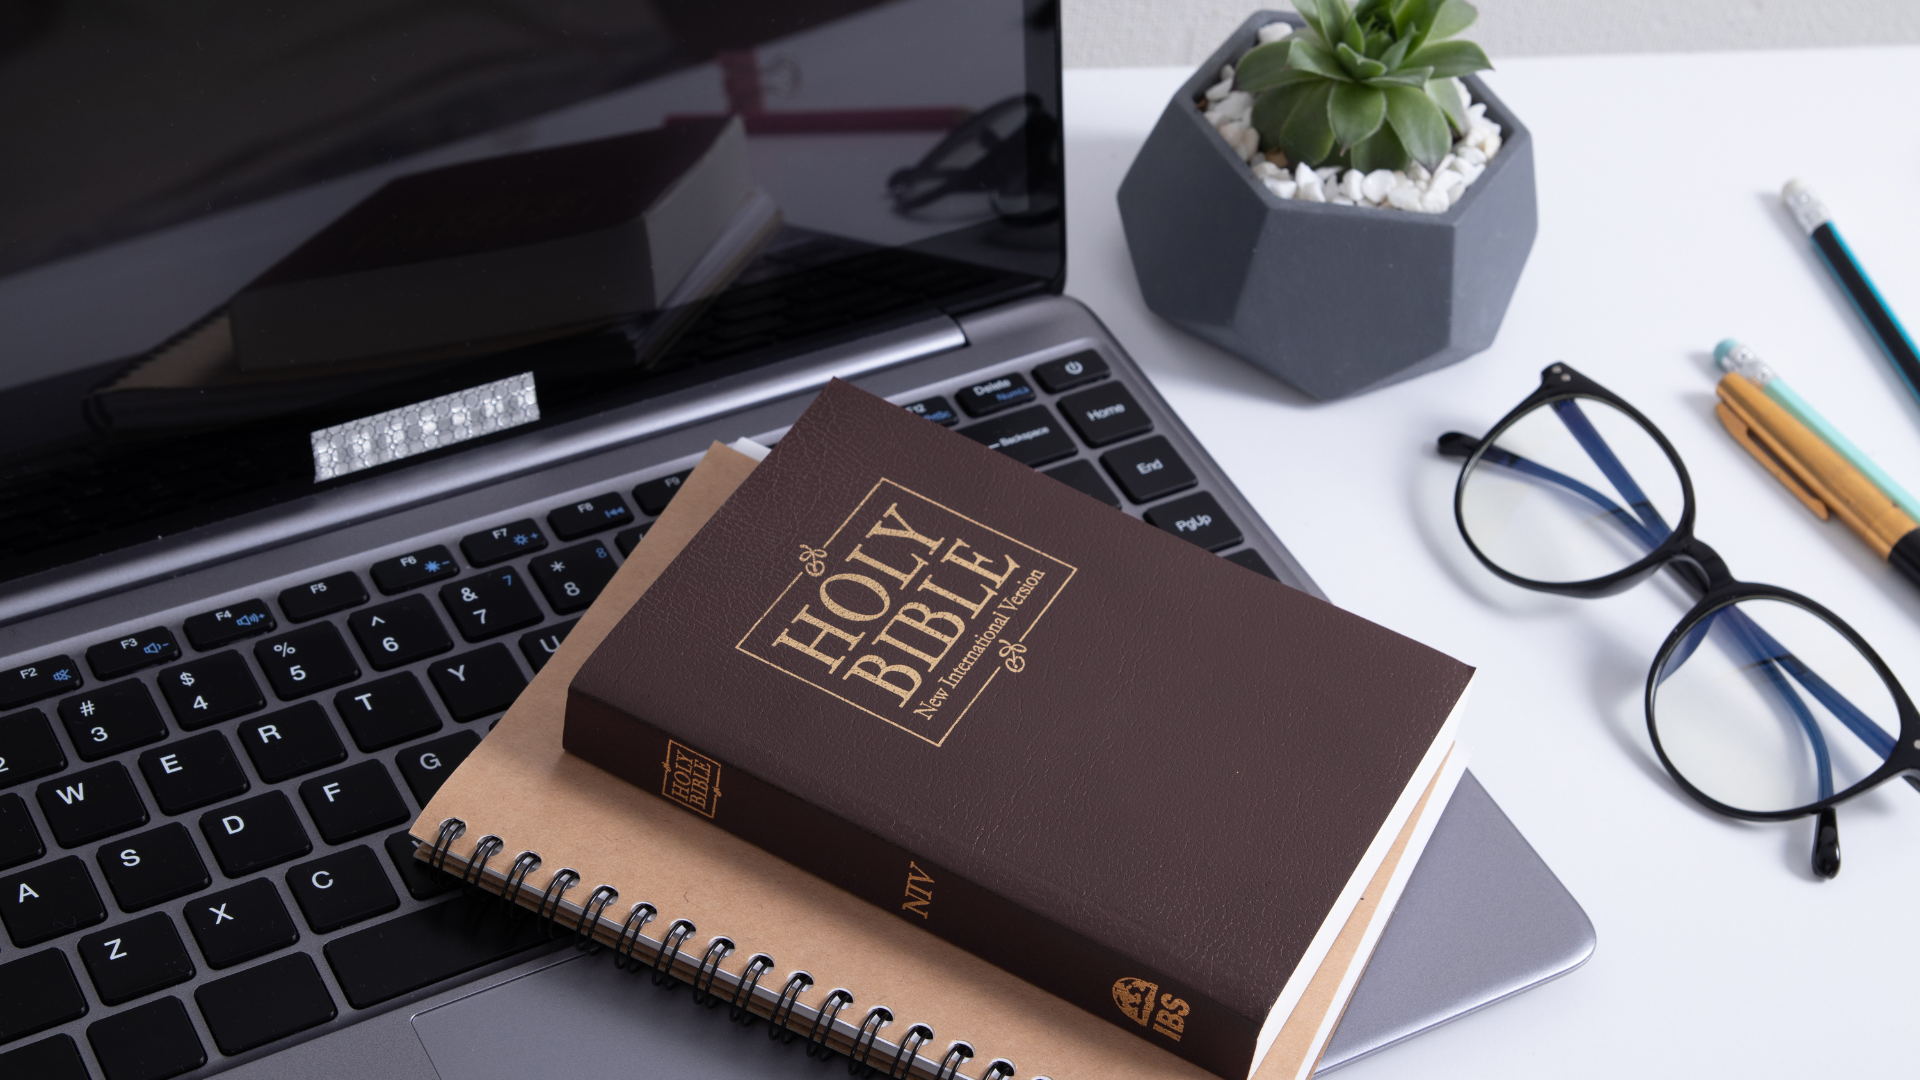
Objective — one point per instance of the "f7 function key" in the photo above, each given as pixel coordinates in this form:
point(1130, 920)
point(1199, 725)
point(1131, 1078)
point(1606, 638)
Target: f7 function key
point(324, 597)
point(112, 659)
point(24, 685)
point(498, 545)
point(212, 629)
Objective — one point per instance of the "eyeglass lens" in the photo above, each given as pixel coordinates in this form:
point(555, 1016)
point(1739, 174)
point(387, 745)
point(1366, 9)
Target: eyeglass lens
point(1764, 706)
point(1571, 491)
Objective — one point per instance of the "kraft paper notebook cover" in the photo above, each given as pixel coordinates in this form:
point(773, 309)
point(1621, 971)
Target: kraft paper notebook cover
point(520, 786)
point(1076, 745)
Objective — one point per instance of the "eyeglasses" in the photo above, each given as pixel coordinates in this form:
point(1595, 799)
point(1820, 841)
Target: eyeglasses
point(1762, 704)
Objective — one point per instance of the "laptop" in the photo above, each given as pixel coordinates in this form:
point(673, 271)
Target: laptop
point(349, 347)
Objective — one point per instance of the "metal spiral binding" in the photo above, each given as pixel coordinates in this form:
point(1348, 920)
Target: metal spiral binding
point(549, 907)
point(553, 897)
point(918, 1036)
point(717, 950)
point(483, 849)
point(590, 914)
point(957, 1055)
point(737, 1009)
point(823, 1019)
point(450, 830)
point(523, 864)
point(783, 1008)
point(863, 1040)
point(637, 919)
point(677, 935)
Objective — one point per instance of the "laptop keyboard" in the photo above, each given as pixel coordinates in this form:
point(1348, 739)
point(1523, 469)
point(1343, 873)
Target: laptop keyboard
point(214, 792)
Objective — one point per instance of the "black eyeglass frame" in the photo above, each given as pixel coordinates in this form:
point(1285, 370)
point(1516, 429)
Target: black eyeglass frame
point(1704, 574)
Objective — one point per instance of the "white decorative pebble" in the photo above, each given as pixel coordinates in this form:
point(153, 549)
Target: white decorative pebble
point(1473, 155)
point(1274, 31)
point(1283, 188)
point(1447, 180)
point(1237, 105)
point(1418, 172)
point(1352, 184)
point(1491, 145)
point(1477, 110)
point(1267, 170)
point(1377, 184)
point(1226, 72)
point(1404, 197)
point(1328, 174)
point(1244, 140)
point(1435, 202)
point(1342, 200)
point(1310, 188)
point(1219, 90)
point(1470, 171)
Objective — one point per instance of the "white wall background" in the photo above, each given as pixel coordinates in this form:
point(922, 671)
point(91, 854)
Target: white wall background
point(1127, 33)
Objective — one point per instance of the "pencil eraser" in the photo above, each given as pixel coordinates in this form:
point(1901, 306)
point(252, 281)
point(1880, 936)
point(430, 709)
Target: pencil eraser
point(1721, 350)
point(1794, 187)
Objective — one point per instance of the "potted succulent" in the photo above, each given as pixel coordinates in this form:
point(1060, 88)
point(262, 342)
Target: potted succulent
point(1335, 197)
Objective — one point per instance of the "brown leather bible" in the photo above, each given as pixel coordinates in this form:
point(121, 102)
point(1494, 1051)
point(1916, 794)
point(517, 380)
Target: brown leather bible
point(1128, 771)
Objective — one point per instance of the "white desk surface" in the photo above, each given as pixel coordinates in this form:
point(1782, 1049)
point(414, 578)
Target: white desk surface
point(1719, 954)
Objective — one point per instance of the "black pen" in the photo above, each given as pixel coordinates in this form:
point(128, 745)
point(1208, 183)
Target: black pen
point(1811, 213)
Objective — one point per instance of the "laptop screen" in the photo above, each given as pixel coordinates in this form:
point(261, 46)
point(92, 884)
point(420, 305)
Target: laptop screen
point(242, 245)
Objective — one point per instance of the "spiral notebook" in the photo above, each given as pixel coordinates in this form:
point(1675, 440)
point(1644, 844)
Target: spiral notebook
point(620, 869)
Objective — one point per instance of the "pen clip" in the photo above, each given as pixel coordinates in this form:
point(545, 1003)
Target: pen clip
point(1773, 458)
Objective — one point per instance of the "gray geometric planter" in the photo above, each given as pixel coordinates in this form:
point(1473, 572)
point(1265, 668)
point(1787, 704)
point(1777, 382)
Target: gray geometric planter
point(1332, 300)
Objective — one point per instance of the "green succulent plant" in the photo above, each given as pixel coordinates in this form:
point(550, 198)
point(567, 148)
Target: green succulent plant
point(1369, 86)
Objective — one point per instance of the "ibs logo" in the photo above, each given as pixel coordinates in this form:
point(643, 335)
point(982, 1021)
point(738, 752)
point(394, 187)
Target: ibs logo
point(692, 779)
point(908, 611)
point(1136, 1000)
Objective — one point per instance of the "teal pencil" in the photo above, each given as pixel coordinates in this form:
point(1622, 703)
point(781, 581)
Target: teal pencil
point(1733, 356)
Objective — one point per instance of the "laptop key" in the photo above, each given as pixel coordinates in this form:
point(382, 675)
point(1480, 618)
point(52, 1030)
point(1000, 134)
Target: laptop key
point(507, 541)
point(1198, 518)
point(386, 711)
point(353, 802)
point(1070, 371)
point(306, 661)
point(292, 741)
point(1030, 436)
point(994, 395)
point(1148, 469)
point(235, 622)
point(238, 924)
point(572, 577)
point(478, 683)
point(419, 948)
point(254, 834)
point(1084, 478)
point(488, 605)
point(654, 495)
point(191, 773)
point(629, 538)
point(1105, 414)
point(540, 645)
point(25, 685)
point(210, 690)
point(414, 569)
point(589, 516)
point(19, 839)
point(28, 749)
point(147, 1042)
point(109, 719)
point(427, 766)
point(336, 592)
point(37, 992)
point(935, 409)
point(135, 958)
point(153, 867)
point(112, 659)
point(1251, 559)
point(259, 1005)
point(91, 805)
point(43, 902)
point(399, 633)
point(344, 888)
point(422, 881)
point(56, 1058)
